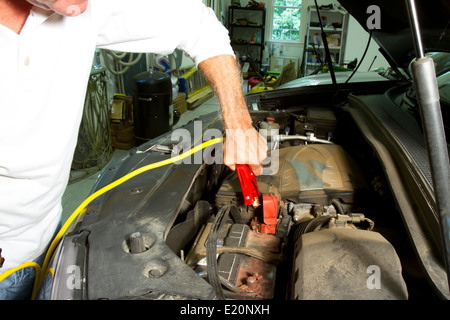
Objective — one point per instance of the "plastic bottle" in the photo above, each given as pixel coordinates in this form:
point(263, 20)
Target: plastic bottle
point(258, 38)
point(270, 129)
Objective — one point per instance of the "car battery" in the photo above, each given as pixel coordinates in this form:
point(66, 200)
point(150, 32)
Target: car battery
point(239, 259)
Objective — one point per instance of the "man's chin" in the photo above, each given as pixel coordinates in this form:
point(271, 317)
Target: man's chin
point(71, 11)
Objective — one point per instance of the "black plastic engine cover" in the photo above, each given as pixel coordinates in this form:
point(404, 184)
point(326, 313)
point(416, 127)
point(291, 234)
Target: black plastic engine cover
point(346, 264)
point(148, 204)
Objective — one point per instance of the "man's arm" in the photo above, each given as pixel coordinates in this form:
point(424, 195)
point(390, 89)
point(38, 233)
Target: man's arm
point(206, 41)
point(244, 145)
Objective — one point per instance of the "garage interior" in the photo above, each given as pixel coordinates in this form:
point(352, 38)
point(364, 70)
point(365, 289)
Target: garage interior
point(347, 193)
point(278, 51)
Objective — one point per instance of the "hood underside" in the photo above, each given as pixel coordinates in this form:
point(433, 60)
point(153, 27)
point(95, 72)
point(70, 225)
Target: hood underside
point(394, 35)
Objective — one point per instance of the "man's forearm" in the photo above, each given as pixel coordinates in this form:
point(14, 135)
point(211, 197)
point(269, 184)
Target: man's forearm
point(244, 145)
point(223, 76)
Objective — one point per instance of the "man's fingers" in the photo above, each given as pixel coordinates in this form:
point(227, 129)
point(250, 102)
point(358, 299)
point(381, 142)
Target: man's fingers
point(245, 147)
point(257, 169)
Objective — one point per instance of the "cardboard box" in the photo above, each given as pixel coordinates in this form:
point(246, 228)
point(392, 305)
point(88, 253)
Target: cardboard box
point(180, 103)
point(122, 136)
point(121, 109)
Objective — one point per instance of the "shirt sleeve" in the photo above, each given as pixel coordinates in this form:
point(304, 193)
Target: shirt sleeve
point(160, 27)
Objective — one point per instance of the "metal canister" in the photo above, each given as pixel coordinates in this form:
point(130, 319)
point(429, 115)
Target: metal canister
point(152, 105)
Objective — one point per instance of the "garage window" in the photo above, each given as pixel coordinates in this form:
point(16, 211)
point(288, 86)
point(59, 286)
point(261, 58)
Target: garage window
point(286, 19)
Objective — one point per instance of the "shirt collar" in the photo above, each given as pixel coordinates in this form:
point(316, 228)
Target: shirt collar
point(37, 16)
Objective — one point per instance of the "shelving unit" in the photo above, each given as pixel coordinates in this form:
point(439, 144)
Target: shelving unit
point(247, 30)
point(335, 28)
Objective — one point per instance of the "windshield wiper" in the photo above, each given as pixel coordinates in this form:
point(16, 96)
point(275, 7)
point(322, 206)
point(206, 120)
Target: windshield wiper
point(393, 65)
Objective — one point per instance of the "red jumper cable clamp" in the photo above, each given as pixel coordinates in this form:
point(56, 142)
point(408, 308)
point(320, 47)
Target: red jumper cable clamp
point(248, 185)
point(252, 196)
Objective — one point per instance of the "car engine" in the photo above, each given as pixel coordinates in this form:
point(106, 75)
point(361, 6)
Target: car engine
point(186, 232)
point(309, 238)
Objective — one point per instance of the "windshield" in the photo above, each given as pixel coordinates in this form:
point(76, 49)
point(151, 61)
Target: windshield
point(441, 62)
point(444, 87)
point(442, 67)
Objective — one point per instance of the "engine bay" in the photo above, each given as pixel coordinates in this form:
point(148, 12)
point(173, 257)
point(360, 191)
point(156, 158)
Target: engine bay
point(326, 226)
point(319, 194)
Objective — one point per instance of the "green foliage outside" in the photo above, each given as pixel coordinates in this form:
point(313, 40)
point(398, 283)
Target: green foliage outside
point(286, 20)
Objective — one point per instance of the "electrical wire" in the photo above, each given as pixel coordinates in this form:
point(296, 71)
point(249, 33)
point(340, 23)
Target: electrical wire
point(338, 205)
point(40, 272)
point(114, 184)
point(356, 68)
point(37, 270)
point(211, 252)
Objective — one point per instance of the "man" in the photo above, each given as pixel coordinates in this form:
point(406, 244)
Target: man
point(47, 48)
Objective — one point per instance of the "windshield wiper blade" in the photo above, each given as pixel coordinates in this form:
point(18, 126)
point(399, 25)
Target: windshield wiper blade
point(393, 65)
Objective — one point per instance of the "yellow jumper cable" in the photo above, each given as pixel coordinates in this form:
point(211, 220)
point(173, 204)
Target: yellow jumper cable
point(40, 272)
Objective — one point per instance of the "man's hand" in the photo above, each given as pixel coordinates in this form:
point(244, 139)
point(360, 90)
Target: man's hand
point(245, 147)
point(243, 144)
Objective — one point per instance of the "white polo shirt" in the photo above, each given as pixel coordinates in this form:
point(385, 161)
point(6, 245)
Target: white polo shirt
point(43, 77)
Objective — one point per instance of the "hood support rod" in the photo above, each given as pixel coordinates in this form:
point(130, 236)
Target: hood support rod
point(424, 77)
point(325, 44)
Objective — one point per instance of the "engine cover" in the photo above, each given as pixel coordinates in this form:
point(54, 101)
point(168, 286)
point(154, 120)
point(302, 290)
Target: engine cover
point(338, 264)
point(313, 173)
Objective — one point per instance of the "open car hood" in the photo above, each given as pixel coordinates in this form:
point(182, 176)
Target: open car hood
point(394, 36)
